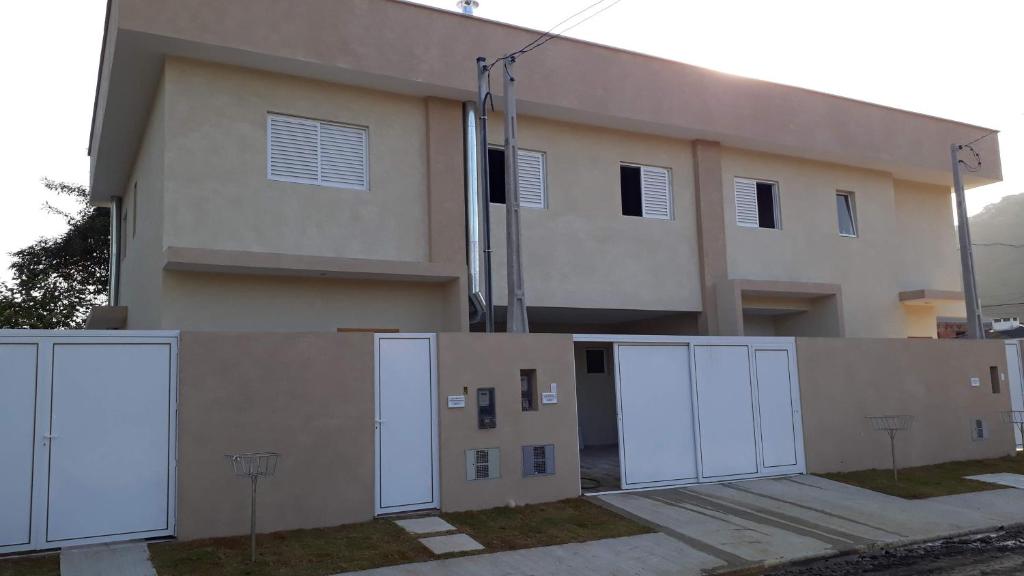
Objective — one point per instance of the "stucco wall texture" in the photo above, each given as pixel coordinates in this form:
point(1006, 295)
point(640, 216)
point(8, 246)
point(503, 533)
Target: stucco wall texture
point(845, 380)
point(310, 397)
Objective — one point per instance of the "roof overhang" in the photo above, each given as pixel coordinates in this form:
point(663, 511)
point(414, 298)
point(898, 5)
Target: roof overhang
point(412, 49)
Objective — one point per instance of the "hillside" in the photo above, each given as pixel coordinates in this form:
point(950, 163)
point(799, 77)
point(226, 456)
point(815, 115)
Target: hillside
point(1000, 268)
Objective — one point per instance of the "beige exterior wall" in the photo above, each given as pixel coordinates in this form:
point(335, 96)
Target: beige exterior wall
point(842, 381)
point(142, 229)
point(202, 301)
point(310, 397)
point(904, 239)
point(467, 362)
point(580, 251)
point(217, 191)
point(307, 396)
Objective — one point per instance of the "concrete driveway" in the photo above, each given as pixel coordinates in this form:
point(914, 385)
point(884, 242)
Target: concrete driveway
point(770, 521)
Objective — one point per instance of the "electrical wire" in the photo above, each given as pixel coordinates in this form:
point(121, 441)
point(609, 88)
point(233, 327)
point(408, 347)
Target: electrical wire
point(548, 36)
point(1002, 244)
point(976, 140)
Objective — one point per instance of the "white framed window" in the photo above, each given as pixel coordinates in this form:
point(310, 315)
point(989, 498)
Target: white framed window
point(646, 191)
point(316, 152)
point(757, 203)
point(846, 212)
point(533, 188)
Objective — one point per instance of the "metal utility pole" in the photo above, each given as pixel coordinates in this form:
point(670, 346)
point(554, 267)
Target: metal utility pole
point(516, 320)
point(485, 190)
point(975, 329)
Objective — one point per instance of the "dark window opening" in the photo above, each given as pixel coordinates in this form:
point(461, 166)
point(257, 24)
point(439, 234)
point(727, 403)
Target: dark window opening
point(528, 387)
point(595, 361)
point(629, 181)
point(766, 205)
point(993, 374)
point(496, 174)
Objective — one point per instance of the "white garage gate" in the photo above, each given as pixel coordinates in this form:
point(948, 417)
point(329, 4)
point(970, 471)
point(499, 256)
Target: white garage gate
point(87, 437)
point(705, 409)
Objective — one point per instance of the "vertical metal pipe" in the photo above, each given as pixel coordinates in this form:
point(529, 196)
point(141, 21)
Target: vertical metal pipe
point(975, 329)
point(471, 151)
point(516, 318)
point(115, 251)
point(485, 191)
point(252, 520)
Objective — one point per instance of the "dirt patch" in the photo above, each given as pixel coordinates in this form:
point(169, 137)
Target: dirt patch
point(998, 553)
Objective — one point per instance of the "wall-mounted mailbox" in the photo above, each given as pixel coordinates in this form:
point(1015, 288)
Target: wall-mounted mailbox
point(485, 409)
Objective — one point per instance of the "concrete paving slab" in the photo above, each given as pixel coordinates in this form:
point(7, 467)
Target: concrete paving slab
point(427, 525)
point(1005, 478)
point(655, 554)
point(1007, 504)
point(451, 543)
point(122, 559)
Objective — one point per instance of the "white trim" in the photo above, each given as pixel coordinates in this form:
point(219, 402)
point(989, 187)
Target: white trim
point(435, 444)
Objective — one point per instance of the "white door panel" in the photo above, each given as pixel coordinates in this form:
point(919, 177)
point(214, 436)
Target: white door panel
point(109, 456)
point(1016, 382)
point(17, 439)
point(775, 406)
point(656, 435)
point(725, 411)
point(406, 424)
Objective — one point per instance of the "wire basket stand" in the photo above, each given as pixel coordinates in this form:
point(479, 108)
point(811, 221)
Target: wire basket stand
point(892, 424)
point(1016, 418)
point(254, 465)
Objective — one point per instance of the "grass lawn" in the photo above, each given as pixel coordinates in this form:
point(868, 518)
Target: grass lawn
point(382, 543)
point(48, 565)
point(934, 480)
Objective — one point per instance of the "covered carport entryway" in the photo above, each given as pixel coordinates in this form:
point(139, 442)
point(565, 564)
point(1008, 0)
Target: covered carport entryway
point(686, 410)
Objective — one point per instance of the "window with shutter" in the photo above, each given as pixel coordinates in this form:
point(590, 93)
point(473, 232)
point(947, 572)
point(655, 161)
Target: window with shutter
point(656, 192)
point(314, 152)
point(757, 203)
point(646, 191)
point(532, 178)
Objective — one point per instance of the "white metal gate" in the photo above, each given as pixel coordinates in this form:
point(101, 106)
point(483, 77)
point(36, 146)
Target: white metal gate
point(87, 437)
point(406, 455)
point(1015, 374)
point(705, 409)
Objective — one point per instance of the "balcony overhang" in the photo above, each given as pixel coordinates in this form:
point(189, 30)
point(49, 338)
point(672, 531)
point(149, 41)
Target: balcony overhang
point(304, 266)
point(930, 297)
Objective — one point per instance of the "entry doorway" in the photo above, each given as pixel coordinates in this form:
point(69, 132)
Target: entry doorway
point(598, 427)
point(686, 410)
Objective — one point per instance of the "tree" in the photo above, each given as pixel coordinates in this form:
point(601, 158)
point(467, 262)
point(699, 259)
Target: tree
point(56, 281)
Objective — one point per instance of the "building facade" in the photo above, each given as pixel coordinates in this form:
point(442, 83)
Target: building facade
point(312, 177)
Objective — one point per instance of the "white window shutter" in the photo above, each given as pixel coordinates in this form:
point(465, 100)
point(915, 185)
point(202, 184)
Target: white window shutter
point(343, 156)
point(746, 203)
point(532, 192)
point(656, 192)
point(292, 145)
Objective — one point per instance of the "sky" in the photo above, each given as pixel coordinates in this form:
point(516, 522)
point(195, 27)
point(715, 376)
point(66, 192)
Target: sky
point(958, 60)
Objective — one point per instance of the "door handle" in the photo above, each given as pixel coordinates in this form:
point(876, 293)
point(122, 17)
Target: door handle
point(51, 436)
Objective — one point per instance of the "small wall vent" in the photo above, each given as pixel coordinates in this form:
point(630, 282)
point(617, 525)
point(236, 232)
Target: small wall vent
point(539, 460)
point(483, 464)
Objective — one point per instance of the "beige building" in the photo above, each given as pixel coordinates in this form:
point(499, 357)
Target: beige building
point(311, 176)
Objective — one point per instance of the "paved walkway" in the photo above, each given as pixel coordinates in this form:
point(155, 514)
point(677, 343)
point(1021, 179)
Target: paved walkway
point(127, 559)
point(726, 527)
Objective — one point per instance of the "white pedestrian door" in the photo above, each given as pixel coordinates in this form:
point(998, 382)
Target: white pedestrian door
point(655, 415)
point(1016, 378)
point(706, 409)
point(87, 436)
point(406, 423)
